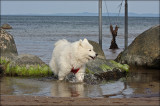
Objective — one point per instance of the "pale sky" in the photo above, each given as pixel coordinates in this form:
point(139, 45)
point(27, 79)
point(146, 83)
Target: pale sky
point(53, 7)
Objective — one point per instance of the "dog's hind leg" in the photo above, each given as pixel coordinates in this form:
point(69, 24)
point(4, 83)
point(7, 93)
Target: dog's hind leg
point(53, 67)
point(63, 72)
point(61, 76)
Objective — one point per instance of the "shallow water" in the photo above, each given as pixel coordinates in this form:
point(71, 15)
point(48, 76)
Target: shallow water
point(139, 83)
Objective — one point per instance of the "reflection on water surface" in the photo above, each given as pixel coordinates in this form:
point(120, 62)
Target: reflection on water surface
point(139, 83)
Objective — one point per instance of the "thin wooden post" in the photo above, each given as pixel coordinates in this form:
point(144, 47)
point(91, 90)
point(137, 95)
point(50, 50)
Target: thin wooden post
point(126, 25)
point(100, 23)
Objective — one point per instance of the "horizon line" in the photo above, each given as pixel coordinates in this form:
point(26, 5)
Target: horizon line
point(89, 13)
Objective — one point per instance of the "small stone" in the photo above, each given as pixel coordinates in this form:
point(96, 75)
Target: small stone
point(6, 26)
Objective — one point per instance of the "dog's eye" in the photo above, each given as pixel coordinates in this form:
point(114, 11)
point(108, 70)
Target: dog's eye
point(89, 50)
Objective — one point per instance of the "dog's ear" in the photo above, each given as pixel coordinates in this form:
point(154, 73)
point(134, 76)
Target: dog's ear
point(85, 40)
point(80, 42)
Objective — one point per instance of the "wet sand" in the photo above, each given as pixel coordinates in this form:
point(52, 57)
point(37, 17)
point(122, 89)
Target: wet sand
point(45, 100)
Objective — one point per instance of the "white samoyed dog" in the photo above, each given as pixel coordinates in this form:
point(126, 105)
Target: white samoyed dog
point(71, 57)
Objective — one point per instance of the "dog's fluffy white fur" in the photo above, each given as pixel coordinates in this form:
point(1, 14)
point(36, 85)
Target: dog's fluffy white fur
point(67, 55)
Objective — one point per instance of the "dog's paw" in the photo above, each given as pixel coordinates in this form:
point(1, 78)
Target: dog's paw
point(79, 79)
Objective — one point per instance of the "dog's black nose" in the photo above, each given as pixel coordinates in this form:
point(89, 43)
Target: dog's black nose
point(96, 54)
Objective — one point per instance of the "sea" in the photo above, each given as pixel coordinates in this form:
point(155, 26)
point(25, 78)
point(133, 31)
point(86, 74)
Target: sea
point(37, 34)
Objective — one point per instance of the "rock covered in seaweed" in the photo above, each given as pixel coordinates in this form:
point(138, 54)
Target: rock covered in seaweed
point(12, 64)
point(25, 66)
point(102, 69)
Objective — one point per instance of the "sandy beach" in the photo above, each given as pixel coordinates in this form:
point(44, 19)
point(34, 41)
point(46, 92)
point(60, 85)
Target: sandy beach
point(46, 100)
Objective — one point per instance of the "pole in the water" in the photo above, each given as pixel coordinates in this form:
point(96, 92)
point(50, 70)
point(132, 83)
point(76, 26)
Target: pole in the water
point(126, 25)
point(100, 23)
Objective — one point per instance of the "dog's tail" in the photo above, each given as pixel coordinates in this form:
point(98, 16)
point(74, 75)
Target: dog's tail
point(60, 42)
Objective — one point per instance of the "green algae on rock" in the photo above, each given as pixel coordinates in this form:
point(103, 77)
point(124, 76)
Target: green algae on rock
point(24, 71)
point(103, 69)
point(124, 67)
point(33, 71)
point(106, 70)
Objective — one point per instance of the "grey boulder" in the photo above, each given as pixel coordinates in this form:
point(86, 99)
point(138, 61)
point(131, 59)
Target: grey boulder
point(7, 45)
point(144, 50)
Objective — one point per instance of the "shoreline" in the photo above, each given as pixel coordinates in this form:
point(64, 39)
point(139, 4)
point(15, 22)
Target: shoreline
point(47, 100)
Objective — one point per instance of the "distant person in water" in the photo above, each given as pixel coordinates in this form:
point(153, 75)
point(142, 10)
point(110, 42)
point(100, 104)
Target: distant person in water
point(114, 34)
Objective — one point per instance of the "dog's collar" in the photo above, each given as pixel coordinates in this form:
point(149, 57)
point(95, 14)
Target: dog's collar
point(74, 70)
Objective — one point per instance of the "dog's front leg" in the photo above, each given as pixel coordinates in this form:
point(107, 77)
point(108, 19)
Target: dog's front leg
point(80, 74)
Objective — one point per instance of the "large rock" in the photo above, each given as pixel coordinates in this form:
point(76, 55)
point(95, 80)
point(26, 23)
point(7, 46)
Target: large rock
point(7, 45)
point(6, 26)
point(97, 49)
point(144, 50)
point(102, 69)
point(27, 60)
